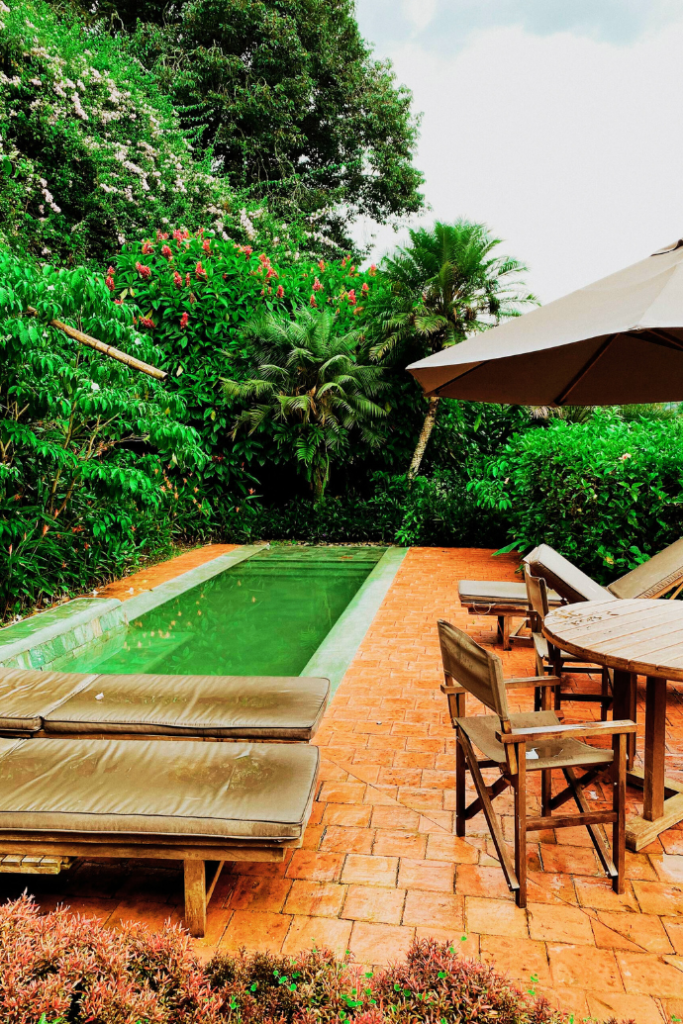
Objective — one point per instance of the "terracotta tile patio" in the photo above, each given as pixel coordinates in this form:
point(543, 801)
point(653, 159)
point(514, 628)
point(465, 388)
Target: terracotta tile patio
point(380, 864)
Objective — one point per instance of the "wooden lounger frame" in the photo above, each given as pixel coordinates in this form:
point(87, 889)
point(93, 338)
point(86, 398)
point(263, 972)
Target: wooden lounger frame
point(193, 855)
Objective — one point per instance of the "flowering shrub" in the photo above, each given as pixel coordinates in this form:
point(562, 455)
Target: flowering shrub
point(84, 440)
point(199, 290)
point(606, 493)
point(72, 969)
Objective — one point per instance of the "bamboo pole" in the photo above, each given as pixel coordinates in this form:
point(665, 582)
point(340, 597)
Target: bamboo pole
point(107, 350)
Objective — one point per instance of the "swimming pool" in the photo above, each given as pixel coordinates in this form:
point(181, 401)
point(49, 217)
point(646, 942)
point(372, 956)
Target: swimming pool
point(266, 616)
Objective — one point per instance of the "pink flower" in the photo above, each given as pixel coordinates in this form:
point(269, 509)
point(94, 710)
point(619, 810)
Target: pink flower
point(373, 270)
point(166, 251)
point(280, 292)
point(317, 287)
point(144, 272)
point(321, 266)
point(187, 279)
point(178, 280)
point(206, 246)
point(146, 321)
point(312, 301)
point(265, 260)
point(247, 250)
point(162, 235)
point(184, 321)
point(353, 270)
point(199, 272)
point(111, 271)
point(343, 262)
point(366, 288)
point(147, 248)
point(352, 297)
point(271, 273)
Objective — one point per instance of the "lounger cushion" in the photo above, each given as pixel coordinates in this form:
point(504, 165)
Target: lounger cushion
point(654, 577)
point(246, 707)
point(556, 753)
point(27, 695)
point(484, 593)
point(564, 577)
point(157, 788)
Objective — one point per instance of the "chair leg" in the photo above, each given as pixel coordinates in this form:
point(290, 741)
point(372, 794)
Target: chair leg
point(546, 791)
point(619, 807)
point(520, 825)
point(605, 694)
point(460, 782)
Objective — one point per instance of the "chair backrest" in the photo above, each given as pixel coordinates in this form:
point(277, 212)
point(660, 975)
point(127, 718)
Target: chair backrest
point(537, 592)
point(653, 578)
point(477, 670)
point(564, 577)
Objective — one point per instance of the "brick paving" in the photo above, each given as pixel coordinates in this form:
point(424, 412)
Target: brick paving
point(380, 864)
point(153, 575)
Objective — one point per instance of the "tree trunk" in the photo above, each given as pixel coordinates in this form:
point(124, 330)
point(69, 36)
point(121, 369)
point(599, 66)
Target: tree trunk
point(423, 440)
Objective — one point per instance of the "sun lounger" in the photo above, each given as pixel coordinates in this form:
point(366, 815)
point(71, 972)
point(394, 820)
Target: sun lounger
point(158, 799)
point(662, 573)
point(35, 703)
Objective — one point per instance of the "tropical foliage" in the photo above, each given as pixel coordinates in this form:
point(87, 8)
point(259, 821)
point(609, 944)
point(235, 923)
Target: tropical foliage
point(85, 443)
point(308, 382)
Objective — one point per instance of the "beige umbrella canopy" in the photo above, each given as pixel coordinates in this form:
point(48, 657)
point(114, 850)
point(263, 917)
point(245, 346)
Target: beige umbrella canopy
point(617, 341)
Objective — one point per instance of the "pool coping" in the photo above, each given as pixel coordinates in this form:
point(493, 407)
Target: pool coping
point(67, 638)
point(340, 646)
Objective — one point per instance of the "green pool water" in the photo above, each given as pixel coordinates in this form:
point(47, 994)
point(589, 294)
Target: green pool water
point(266, 616)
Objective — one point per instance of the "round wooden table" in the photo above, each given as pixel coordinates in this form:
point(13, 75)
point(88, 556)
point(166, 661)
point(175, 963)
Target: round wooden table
point(641, 637)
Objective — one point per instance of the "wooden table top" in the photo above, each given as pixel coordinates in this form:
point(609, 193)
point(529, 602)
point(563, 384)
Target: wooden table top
point(643, 636)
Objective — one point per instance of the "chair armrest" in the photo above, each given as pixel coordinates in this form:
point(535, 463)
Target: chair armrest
point(455, 690)
point(519, 681)
point(556, 732)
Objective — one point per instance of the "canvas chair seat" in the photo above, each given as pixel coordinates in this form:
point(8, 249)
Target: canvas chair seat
point(220, 707)
point(564, 753)
point(156, 788)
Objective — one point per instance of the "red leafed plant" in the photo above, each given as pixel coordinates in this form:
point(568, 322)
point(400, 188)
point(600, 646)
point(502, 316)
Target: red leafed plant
point(64, 968)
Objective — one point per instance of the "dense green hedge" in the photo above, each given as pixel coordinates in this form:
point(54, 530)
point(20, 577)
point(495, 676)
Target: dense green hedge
point(607, 493)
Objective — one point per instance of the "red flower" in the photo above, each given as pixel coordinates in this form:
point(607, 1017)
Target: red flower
point(271, 273)
point(265, 260)
point(193, 299)
point(280, 292)
point(353, 270)
point(321, 266)
point(146, 321)
point(343, 262)
point(118, 302)
point(110, 283)
point(178, 280)
point(166, 251)
point(183, 321)
point(317, 287)
point(373, 270)
point(366, 288)
point(162, 235)
point(147, 248)
point(207, 246)
point(352, 297)
point(144, 272)
point(110, 271)
point(312, 301)
point(199, 272)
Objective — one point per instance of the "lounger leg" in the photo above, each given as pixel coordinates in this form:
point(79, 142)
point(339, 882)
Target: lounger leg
point(619, 806)
point(546, 790)
point(507, 646)
point(195, 897)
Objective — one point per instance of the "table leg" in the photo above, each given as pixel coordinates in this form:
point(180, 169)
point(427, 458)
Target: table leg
point(624, 706)
point(655, 745)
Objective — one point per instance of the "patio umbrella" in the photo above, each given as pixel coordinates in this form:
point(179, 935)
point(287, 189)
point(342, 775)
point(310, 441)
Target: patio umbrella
point(617, 341)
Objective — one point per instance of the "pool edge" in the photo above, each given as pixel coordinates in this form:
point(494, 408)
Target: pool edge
point(335, 654)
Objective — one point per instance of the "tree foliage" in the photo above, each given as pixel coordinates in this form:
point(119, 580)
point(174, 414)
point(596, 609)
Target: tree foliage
point(287, 91)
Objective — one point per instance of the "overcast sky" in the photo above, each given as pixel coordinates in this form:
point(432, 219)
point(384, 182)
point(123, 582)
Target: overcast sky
point(559, 123)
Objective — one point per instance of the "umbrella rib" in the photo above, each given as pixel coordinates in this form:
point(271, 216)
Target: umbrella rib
point(665, 336)
point(587, 366)
point(452, 380)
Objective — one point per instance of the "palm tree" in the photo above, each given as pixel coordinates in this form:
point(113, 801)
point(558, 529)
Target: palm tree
point(444, 286)
point(308, 380)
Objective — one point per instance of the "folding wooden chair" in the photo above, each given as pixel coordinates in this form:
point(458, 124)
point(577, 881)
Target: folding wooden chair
point(517, 744)
point(549, 659)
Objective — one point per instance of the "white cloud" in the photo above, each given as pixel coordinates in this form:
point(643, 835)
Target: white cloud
point(568, 148)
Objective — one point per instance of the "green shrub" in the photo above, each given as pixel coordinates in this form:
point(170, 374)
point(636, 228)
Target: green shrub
point(85, 442)
point(607, 493)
